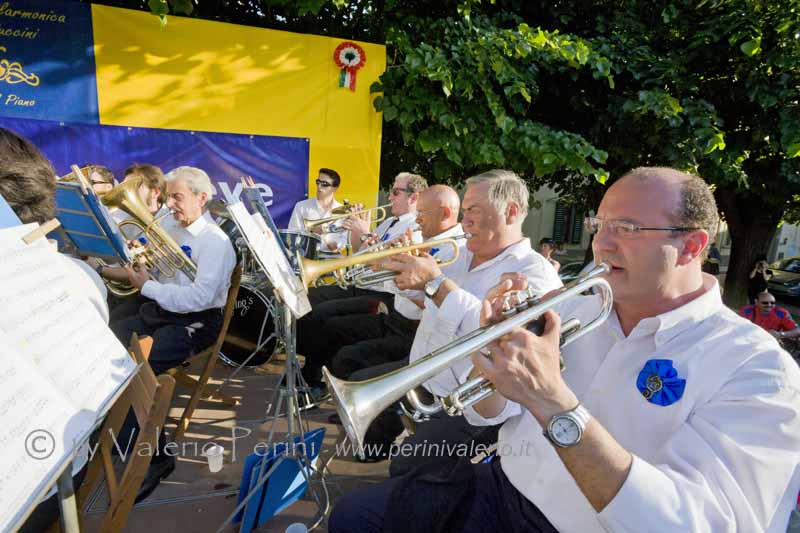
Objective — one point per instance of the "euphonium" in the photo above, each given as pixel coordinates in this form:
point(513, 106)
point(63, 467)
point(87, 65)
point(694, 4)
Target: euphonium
point(312, 269)
point(358, 403)
point(161, 251)
point(311, 223)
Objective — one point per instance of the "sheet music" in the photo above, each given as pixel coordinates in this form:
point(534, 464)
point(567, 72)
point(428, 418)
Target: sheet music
point(269, 255)
point(62, 334)
point(40, 427)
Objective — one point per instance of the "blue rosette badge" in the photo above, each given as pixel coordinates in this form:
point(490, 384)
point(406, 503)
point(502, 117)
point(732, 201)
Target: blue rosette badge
point(659, 383)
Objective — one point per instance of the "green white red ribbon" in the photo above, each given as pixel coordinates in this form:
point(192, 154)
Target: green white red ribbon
point(349, 57)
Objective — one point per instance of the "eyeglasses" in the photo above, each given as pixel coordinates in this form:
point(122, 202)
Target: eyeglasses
point(397, 190)
point(624, 229)
point(766, 303)
point(321, 183)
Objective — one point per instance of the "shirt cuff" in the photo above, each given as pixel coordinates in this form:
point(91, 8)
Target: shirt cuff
point(150, 289)
point(475, 419)
point(640, 500)
point(454, 309)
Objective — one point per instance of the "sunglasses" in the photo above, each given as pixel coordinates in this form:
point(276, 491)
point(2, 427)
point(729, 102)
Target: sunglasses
point(766, 303)
point(321, 183)
point(397, 190)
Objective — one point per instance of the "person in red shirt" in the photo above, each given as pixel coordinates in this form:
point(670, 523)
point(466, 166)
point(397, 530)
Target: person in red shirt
point(776, 320)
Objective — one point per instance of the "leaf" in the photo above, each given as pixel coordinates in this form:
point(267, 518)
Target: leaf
point(793, 150)
point(184, 7)
point(389, 113)
point(158, 7)
point(751, 47)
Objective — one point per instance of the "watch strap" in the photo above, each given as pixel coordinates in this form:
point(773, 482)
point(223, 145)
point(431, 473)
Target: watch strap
point(432, 287)
point(579, 414)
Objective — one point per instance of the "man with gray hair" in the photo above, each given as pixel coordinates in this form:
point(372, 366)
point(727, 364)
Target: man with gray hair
point(494, 207)
point(183, 316)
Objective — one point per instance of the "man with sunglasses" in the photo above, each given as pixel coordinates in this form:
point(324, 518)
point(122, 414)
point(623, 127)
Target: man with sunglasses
point(675, 413)
point(403, 196)
point(320, 206)
point(333, 301)
point(776, 320)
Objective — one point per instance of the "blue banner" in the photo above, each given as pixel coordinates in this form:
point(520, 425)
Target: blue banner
point(279, 165)
point(47, 64)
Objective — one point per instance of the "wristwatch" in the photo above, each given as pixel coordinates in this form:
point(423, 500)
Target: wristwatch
point(566, 429)
point(432, 287)
point(99, 269)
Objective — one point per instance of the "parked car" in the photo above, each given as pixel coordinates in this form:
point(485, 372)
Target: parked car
point(785, 281)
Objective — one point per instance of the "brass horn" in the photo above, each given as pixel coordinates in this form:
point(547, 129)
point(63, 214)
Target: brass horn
point(310, 223)
point(358, 403)
point(161, 251)
point(312, 269)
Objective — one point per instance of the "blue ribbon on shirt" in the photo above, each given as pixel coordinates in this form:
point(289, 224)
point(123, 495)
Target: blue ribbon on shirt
point(433, 251)
point(659, 383)
point(187, 250)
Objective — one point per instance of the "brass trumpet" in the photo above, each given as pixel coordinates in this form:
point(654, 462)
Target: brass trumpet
point(311, 269)
point(358, 403)
point(310, 223)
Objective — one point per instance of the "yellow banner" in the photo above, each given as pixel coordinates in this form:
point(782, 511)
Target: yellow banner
point(212, 76)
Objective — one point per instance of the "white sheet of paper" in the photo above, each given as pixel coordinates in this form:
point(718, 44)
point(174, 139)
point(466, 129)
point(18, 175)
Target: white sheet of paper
point(40, 427)
point(271, 258)
point(63, 334)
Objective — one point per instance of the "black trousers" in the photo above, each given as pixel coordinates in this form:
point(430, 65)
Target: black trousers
point(362, 341)
point(175, 335)
point(314, 341)
point(493, 504)
point(433, 442)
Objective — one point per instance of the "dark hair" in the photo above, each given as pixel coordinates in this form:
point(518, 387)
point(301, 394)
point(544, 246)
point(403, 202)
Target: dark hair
point(546, 240)
point(27, 179)
point(331, 174)
point(107, 175)
point(152, 175)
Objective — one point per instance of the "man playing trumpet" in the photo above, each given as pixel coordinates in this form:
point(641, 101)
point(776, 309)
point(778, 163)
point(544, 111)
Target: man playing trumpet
point(675, 413)
point(494, 207)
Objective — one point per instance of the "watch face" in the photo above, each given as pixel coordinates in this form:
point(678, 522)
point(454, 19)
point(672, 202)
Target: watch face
point(565, 431)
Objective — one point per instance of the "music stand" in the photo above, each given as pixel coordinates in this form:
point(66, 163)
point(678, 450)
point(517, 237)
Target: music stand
point(86, 223)
point(293, 304)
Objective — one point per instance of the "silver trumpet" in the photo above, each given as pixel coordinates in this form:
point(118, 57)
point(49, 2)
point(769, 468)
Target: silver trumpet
point(358, 403)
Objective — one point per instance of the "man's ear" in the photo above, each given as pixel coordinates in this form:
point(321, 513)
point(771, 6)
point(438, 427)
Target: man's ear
point(693, 245)
point(203, 199)
point(512, 212)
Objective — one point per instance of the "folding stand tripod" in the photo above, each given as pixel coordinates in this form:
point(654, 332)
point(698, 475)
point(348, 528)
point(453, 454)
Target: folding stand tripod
point(296, 427)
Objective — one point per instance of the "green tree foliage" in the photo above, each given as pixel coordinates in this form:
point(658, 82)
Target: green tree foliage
point(569, 92)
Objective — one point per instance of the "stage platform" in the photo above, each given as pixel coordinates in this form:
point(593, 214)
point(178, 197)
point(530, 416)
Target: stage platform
point(194, 499)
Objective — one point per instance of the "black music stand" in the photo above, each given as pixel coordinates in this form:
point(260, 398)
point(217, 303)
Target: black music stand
point(293, 304)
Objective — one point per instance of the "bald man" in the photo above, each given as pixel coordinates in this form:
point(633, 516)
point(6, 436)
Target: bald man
point(350, 342)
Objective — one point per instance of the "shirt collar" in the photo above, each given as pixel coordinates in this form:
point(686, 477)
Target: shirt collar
point(334, 205)
point(519, 250)
point(668, 325)
point(411, 215)
point(452, 232)
point(196, 227)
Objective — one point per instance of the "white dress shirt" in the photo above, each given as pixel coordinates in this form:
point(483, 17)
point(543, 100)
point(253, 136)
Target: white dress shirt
point(722, 458)
point(389, 229)
point(311, 209)
point(211, 250)
point(460, 311)
point(402, 302)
